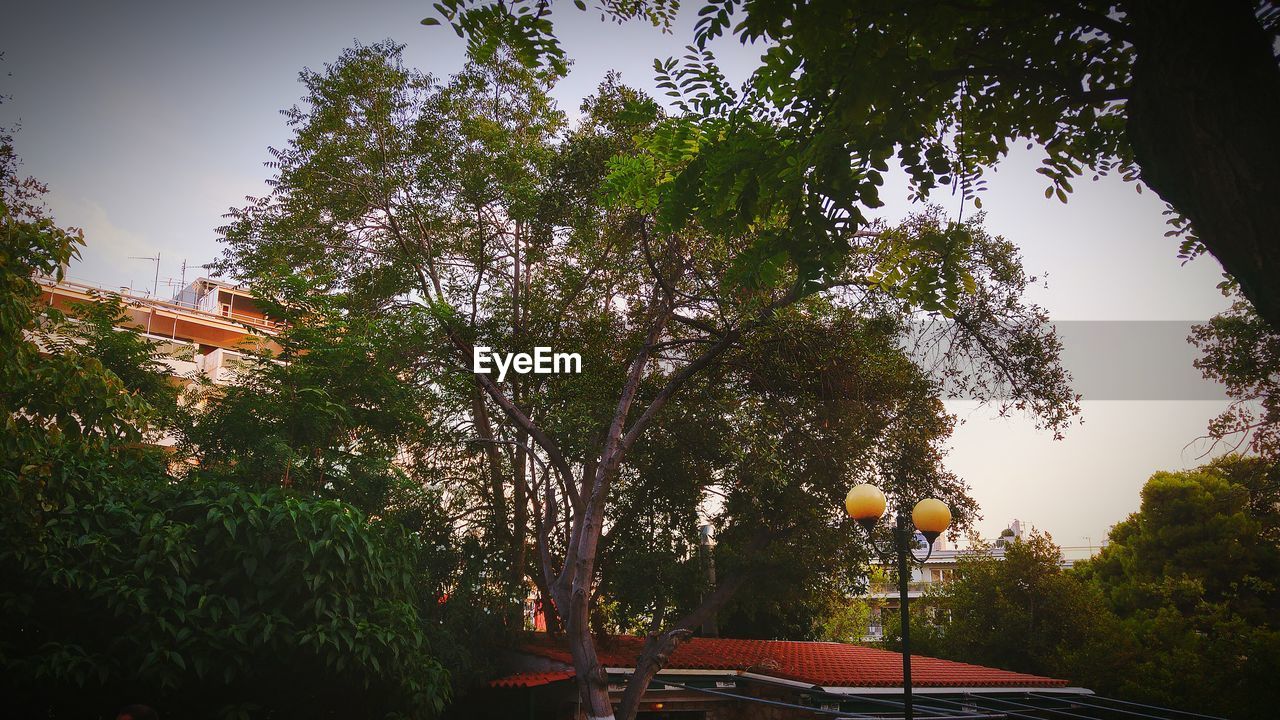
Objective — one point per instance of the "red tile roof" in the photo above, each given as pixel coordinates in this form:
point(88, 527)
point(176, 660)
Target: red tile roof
point(527, 680)
point(824, 664)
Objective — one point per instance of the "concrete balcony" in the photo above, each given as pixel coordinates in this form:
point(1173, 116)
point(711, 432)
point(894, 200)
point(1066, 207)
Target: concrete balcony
point(222, 365)
point(179, 356)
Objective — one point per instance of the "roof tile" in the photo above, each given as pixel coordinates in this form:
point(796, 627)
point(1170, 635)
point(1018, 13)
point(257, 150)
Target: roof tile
point(825, 664)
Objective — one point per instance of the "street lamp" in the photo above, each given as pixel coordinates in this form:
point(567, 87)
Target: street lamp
point(865, 504)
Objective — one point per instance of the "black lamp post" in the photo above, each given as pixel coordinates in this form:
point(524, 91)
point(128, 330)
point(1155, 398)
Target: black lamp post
point(866, 504)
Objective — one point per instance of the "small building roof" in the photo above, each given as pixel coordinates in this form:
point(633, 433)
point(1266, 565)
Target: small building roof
point(820, 664)
point(531, 679)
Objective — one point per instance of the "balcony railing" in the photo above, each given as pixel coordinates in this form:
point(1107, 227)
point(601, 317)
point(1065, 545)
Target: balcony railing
point(142, 299)
point(221, 365)
point(891, 588)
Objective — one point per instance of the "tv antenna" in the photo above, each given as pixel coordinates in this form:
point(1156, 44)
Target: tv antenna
point(155, 284)
point(174, 286)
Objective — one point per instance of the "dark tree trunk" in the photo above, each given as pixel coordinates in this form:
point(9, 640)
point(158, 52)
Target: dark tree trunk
point(1204, 115)
point(658, 647)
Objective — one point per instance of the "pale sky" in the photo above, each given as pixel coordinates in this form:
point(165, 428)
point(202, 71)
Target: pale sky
point(150, 119)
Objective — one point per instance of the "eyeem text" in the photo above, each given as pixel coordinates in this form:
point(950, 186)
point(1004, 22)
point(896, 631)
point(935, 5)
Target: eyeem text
point(542, 362)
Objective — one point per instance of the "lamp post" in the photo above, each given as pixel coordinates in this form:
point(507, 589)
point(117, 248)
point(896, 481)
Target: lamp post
point(866, 504)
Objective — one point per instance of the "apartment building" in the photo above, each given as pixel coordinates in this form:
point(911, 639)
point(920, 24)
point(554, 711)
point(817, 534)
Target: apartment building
point(203, 330)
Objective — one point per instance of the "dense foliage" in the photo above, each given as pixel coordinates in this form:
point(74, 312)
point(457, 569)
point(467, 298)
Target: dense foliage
point(1185, 589)
point(203, 599)
point(211, 600)
point(1020, 610)
point(92, 330)
point(330, 414)
point(1192, 576)
point(944, 90)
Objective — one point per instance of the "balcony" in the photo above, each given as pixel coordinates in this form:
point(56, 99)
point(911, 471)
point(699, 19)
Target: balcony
point(179, 356)
point(890, 589)
point(221, 365)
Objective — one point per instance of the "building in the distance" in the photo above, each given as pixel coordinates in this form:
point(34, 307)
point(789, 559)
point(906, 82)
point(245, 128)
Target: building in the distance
point(883, 594)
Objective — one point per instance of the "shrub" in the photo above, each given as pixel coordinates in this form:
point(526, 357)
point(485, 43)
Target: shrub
point(206, 599)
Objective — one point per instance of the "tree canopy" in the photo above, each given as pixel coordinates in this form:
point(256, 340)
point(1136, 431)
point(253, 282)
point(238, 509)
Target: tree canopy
point(1182, 96)
point(1191, 576)
point(1024, 611)
point(1178, 610)
point(469, 212)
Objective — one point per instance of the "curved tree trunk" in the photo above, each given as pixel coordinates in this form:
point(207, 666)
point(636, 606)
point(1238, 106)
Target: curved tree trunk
point(658, 647)
point(593, 680)
point(1203, 118)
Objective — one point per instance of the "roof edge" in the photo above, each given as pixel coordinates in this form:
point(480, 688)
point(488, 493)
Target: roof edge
point(967, 690)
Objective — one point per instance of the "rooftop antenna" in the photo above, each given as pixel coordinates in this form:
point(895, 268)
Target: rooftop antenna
point(175, 288)
point(155, 286)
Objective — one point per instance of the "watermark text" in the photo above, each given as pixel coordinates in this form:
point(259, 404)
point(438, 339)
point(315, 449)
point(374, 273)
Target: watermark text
point(543, 361)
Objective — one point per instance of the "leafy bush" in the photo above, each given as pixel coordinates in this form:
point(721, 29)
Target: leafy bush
point(205, 598)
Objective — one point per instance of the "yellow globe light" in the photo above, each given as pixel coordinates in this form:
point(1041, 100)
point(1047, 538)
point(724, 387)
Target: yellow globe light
point(931, 518)
point(865, 503)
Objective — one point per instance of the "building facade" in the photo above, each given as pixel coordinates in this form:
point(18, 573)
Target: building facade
point(203, 331)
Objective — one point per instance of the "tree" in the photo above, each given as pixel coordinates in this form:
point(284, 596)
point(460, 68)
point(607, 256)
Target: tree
point(946, 88)
point(816, 400)
point(53, 405)
point(209, 600)
point(339, 411)
point(468, 206)
point(1024, 612)
point(1200, 526)
point(1184, 589)
point(1242, 351)
point(334, 413)
point(92, 329)
point(843, 620)
point(1192, 577)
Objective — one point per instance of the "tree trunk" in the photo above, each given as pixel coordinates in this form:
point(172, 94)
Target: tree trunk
point(493, 453)
point(520, 510)
point(593, 681)
point(659, 646)
point(1203, 114)
point(579, 572)
point(593, 686)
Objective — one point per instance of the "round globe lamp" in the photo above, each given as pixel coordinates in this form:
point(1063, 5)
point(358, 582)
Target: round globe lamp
point(865, 504)
point(931, 517)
